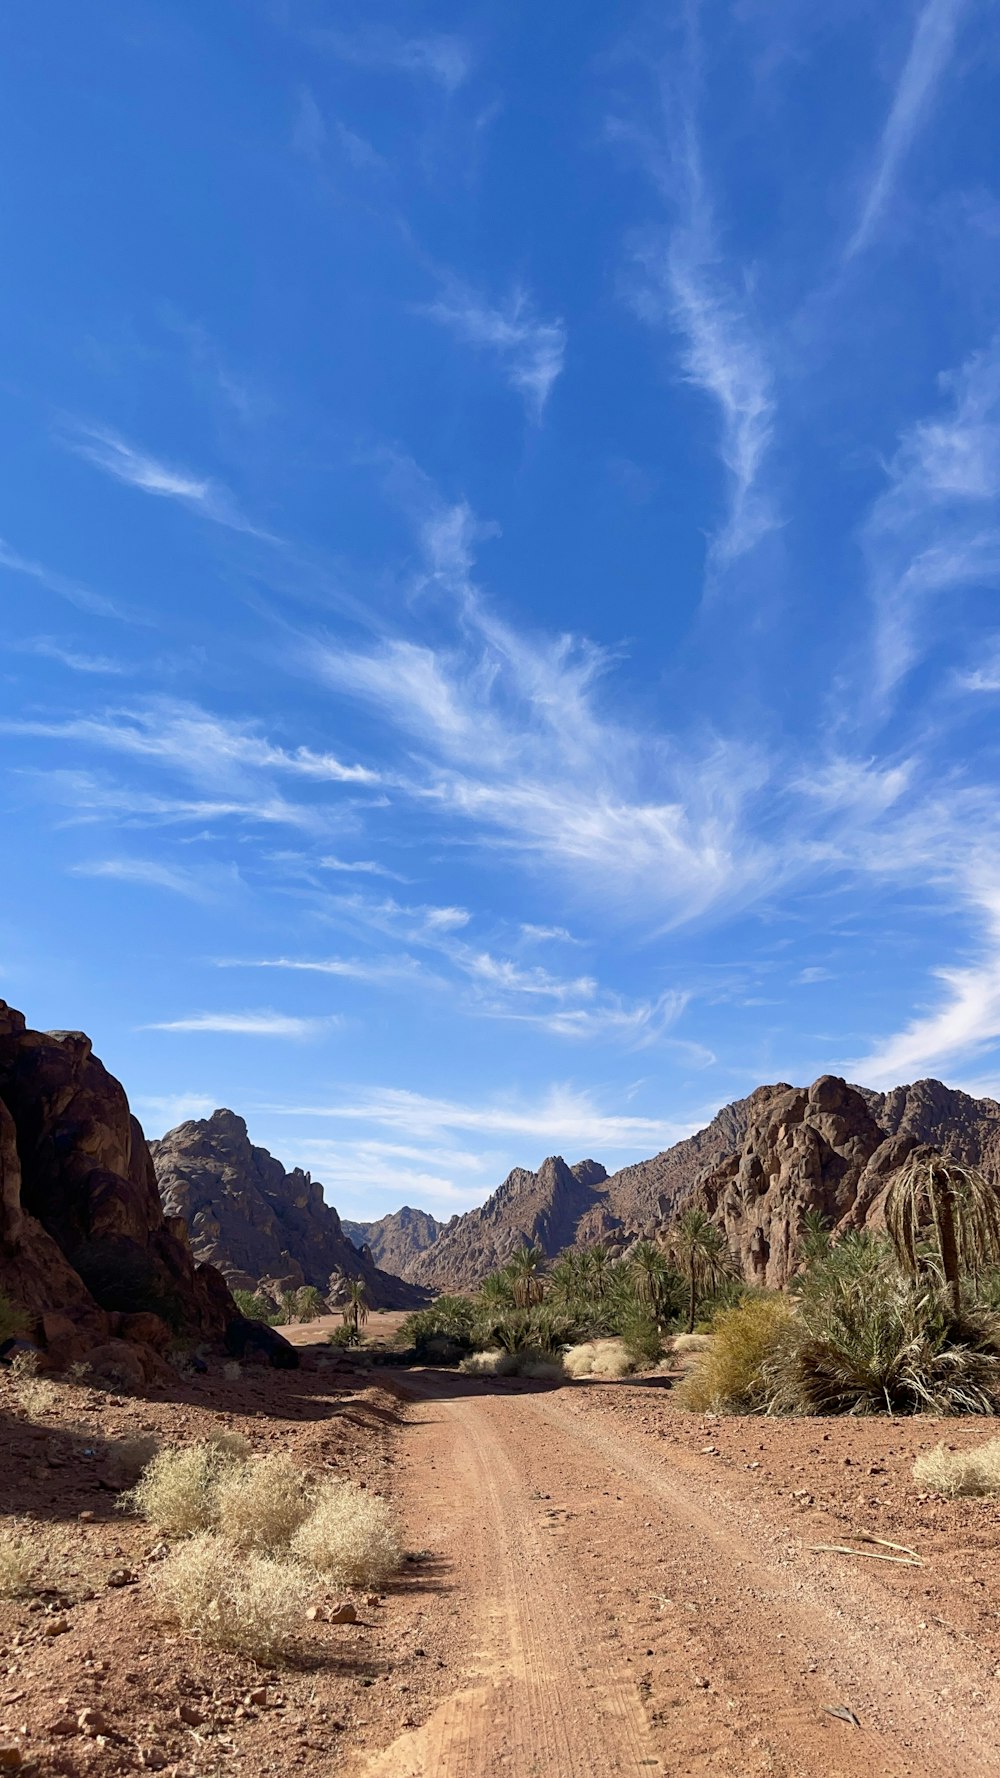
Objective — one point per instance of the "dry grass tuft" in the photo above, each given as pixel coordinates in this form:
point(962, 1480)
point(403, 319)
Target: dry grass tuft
point(489, 1364)
point(542, 1370)
point(230, 1444)
point(960, 1472)
point(35, 1394)
point(598, 1358)
point(176, 1492)
point(20, 1559)
point(128, 1457)
point(728, 1377)
point(260, 1506)
point(247, 1603)
point(350, 1536)
point(685, 1345)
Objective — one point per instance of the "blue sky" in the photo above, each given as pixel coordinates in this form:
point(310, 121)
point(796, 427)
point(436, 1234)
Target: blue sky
point(498, 552)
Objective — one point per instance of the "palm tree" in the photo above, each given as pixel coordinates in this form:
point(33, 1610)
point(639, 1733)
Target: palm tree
point(955, 1204)
point(596, 1271)
point(497, 1291)
point(309, 1303)
point(650, 1276)
point(701, 1251)
point(523, 1269)
point(355, 1309)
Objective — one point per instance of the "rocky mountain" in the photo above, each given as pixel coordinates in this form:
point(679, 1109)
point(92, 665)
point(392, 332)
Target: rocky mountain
point(395, 1241)
point(832, 1148)
point(552, 1209)
point(86, 1249)
point(756, 1168)
point(257, 1223)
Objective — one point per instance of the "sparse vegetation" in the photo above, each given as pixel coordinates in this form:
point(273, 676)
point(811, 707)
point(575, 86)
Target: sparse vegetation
point(349, 1536)
point(942, 1218)
point(355, 1308)
point(259, 1505)
point(729, 1374)
point(20, 1559)
point(702, 1255)
point(954, 1473)
point(598, 1358)
point(33, 1393)
point(255, 1306)
point(177, 1491)
point(248, 1603)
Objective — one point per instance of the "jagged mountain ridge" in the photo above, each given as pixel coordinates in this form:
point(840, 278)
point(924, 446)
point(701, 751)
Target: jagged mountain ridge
point(756, 1168)
point(395, 1241)
point(256, 1222)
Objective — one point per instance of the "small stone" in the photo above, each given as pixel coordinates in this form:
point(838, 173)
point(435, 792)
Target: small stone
point(344, 1613)
point(257, 1698)
point(701, 1682)
point(92, 1722)
point(190, 1714)
point(373, 1599)
point(316, 1614)
point(122, 1577)
point(87, 1518)
point(63, 1725)
point(56, 1626)
point(151, 1759)
point(10, 1755)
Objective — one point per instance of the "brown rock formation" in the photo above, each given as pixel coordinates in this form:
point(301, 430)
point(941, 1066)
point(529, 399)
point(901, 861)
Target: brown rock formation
point(256, 1222)
point(84, 1243)
point(546, 1209)
point(395, 1241)
point(832, 1148)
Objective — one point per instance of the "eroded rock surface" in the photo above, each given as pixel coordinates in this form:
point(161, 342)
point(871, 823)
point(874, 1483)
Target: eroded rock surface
point(256, 1222)
point(85, 1247)
point(396, 1241)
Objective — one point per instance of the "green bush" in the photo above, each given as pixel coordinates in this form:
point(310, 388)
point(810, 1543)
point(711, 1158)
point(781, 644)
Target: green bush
point(258, 1307)
point(868, 1339)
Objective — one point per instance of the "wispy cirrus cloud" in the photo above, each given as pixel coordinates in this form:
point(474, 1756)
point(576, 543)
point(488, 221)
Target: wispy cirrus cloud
point(51, 650)
point(680, 279)
point(439, 56)
point(930, 51)
point(245, 1024)
point(149, 873)
point(529, 349)
point(94, 603)
point(137, 468)
point(936, 527)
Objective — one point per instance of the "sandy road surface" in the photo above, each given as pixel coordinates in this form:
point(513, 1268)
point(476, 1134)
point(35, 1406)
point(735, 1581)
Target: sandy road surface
point(616, 1611)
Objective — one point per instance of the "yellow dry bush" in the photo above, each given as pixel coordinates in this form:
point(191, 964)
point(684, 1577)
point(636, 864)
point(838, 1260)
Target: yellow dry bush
point(35, 1394)
point(598, 1358)
point(247, 1603)
point(230, 1444)
point(20, 1559)
point(128, 1457)
point(260, 1506)
point(176, 1492)
point(350, 1536)
point(687, 1344)
point(960, 1472)
point(728, 1376)
point(489, 1364)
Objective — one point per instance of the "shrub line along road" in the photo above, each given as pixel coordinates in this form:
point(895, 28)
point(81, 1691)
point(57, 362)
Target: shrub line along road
point(619, 1609)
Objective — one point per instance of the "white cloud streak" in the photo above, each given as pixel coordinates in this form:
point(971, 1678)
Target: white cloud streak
point(93, 603)
point(136, 468)
point(149, 873)
point(48, 649)
point(245, 1024)
point(530, 350)
point(929, 54)
point(440, 57)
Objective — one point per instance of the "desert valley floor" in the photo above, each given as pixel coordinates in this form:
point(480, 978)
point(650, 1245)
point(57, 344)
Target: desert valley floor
point(596, 1584)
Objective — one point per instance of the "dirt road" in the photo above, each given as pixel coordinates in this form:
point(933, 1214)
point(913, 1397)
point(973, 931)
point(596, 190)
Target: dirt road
point(616, 1609)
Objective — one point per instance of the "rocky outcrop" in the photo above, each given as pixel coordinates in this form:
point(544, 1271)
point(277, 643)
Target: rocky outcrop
point(395, 1241)
point(643, 1194)
point(547, 1209)
point(257, 1223)
point(85, 1247)
point(832, 1148)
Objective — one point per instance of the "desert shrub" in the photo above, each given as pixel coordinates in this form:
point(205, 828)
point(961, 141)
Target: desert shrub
point(14, 1320)
point(641, 1336)
point(256, 1307)
point(450, 1318)
point(687, 1345)
point(244, 1602)
point(350, 1536)
point(309, 1303)
point(489, 1364)
point(176, 1492)
point(19, 1560)
point(35, 1394)
point(541, 1370)
point(729, 1373)
point(960, 1472)
point(128, 1457)
point(869, 1339)
point(598, 1358)
point(259, 1506)
point(342, 1337)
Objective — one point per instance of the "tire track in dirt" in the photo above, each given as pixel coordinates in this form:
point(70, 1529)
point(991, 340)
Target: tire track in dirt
point(645, 1623)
